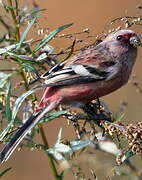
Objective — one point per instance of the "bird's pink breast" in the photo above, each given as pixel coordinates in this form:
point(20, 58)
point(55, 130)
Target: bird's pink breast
point(90, 91)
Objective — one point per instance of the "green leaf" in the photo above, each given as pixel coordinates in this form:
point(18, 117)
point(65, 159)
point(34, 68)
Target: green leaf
point(120, 118)
point(11, 47)
point(78, 144)
point(24, 35)
point(20, 100)
point(5, 131)
point(52, 34)
point(8, 48)
point(8, 109)
point(41, 57)
point(22, 59)
point(30, 68)
point(5, 171)
point(4, 78)
point(53, 116)
point(36, 11)
point(6, 85)
point(59, 150)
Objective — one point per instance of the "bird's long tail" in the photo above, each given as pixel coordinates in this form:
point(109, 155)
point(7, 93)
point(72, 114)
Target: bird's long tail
point(22, 132)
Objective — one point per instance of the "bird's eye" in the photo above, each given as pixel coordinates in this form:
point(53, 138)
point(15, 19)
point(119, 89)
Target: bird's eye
point(119, 38)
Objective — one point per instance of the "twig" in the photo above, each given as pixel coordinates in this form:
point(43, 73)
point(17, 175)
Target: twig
point(17, 33)
point(51, 161)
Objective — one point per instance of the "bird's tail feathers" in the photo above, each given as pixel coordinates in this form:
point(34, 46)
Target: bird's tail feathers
point(22, 132)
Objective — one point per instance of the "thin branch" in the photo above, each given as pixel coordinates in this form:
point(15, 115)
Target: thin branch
point(17, 33)
point(51, 161)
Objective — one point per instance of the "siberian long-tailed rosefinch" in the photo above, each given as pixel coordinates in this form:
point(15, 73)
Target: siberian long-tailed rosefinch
point(88, 75)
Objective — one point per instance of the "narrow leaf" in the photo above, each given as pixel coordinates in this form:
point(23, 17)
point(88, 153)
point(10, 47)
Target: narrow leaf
point(8, 48)
point(41, 57)
point(24, 35)
point(120, 118)
point(4, 79)
point(30, 68)
point(8, 110)
point(53, 116)
point(4, 172)
point(78, 144)
point(5, 131)
point(20, 100)
point(11, 47)
point(22, 59)
point(52, 34)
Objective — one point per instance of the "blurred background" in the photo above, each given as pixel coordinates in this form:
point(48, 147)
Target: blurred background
point(95, 15)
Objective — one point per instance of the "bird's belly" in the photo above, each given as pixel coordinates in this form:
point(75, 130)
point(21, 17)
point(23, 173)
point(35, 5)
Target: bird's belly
point(90, 91)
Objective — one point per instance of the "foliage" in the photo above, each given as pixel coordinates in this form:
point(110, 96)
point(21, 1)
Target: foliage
point(28, 59)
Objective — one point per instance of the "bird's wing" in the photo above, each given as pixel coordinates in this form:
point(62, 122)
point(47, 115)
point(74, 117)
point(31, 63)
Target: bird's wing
point(88, 66)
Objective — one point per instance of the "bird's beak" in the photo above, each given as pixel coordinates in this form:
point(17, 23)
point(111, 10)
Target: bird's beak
point(135, 41)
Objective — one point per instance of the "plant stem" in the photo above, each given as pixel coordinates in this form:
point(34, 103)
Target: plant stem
point(24, 79)
point(51, 161)
point(17, 32)
point(17, 36)
point(16, 4)
point(7, 27)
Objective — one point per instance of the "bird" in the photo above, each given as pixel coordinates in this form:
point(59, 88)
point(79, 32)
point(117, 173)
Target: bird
point(88, 75)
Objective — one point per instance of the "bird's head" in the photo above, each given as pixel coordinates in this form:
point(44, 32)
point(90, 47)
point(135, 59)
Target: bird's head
point(124, 37)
